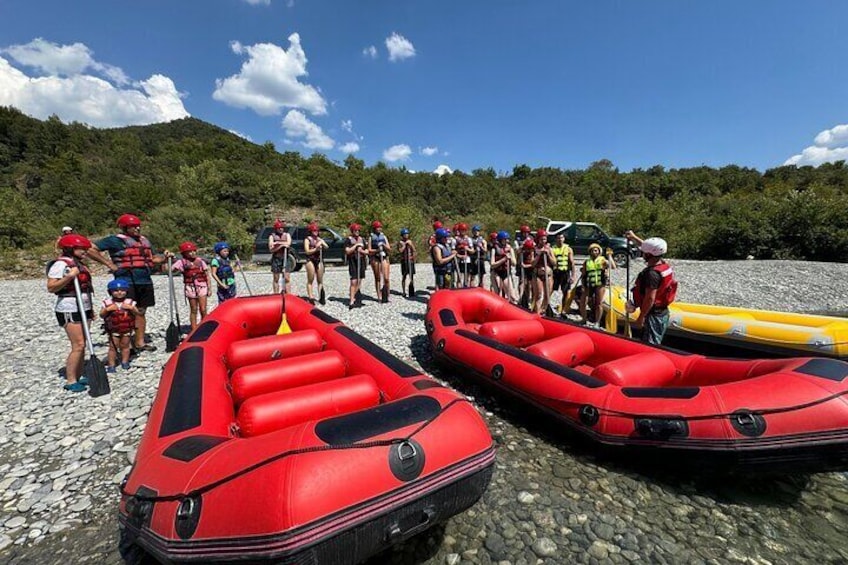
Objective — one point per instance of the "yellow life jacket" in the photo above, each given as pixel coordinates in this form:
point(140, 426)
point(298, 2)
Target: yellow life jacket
point(595, 272)
point(561, 255)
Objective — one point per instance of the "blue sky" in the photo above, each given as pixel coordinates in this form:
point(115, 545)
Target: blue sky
point(467, 84)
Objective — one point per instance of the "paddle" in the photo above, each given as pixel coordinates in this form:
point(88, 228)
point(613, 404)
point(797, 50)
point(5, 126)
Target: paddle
point(172, 334)
point(243, 276)
point(358, 295)
point(627, 332)
point(322, 296)
point(549, 311)
point(284, 323)
point(409, 269)
point(384, 288)
point(612, 319)
point(481, 262)
point(98, 381)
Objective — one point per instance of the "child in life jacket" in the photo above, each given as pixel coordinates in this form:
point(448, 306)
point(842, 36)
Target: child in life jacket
point(195, 280)
point(223, 272)
point(118, 313)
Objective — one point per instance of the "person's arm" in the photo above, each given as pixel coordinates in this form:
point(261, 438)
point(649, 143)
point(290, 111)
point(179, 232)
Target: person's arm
point(387, 246)
point(307, 249)
point(104, 310)
point(633, 237)
point(97, 254)
point(56, 284)
point(273, 245)
point(214, 272)
point(571, 263)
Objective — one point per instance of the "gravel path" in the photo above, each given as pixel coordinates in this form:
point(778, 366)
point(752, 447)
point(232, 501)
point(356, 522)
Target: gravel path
point(62, 455)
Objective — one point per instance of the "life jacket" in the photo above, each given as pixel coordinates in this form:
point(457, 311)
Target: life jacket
point(225, 271)
point(501, 251)
point(279, 237)
point(595, 272)
point(120, 321)
point(445, 268)
point(477, 247)
point(193, 272)
point(407, 250)
point(136, 254)
point(314, 242)
point(84, 277)
point(463, 243)
point(667, 291)
point(528, 257)
point(561, 256)
point(376, 240)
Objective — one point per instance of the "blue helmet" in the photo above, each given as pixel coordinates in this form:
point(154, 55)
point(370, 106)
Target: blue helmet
point(442, 233)
point(476, 227)
point(221, 245)
point(404, 231)
point(503, 235)
point(117, 284)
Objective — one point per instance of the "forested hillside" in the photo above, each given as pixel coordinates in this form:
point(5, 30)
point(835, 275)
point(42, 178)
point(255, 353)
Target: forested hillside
point(192, 180)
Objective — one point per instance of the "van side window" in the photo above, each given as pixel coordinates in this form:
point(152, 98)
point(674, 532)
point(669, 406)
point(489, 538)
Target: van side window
point(556, 227)
point(586, 232)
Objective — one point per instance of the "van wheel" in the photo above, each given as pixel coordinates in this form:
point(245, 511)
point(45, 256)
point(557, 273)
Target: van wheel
point(620, 258)
point(292, 263)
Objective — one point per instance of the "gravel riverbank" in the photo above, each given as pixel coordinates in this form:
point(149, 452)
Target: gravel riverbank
point(62, 454)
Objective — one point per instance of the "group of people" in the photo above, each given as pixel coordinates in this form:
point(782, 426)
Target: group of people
point(458, 259)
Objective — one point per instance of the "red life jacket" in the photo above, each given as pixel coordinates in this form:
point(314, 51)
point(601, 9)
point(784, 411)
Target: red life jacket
point(193, 272)
point(120, 321)
point(667, 291)
point(84, 277)
point(137, 253)
point(277, 237)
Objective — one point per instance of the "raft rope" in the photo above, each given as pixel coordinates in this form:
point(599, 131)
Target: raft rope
point(315, 449)
point(720, 416)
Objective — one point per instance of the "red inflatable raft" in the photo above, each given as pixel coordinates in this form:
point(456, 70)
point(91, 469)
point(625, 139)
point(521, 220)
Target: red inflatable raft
point(621, 394)
point(311, 447)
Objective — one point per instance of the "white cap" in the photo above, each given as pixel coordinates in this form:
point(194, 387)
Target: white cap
point(67, 228)
point(655, 246)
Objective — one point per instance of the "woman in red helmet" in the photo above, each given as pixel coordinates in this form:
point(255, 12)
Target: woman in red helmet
point(543, 267)
point(378, 249)
point(60, 281)
point(357, 256)
point(131, 257)
point(313, 247)
point(279, 243)
point(195, 280)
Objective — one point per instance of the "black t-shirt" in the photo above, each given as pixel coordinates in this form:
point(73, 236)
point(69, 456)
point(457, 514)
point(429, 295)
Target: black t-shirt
point(650, 279)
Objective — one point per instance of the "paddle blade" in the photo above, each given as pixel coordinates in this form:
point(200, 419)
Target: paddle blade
point(569, 298)
point(284, 323)
point(172, 338)
point(98, 381)
point(549, 312)
point(322, 297)
point(411, 287)
point(384, 292)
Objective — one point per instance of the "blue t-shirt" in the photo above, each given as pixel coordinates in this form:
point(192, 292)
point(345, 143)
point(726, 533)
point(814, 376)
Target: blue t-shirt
point(112, 244)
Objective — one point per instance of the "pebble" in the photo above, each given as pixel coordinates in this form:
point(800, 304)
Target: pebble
point(550, 501)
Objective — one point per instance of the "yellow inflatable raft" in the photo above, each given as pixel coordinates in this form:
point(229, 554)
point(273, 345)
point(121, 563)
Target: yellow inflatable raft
point(748, 331)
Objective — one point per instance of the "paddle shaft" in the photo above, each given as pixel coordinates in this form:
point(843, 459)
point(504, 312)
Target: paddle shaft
point(83, 318)
point(170, 290)
point(243, 276)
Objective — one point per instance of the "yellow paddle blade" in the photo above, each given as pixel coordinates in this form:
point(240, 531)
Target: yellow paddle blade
point(284, 327)
point(612, 321)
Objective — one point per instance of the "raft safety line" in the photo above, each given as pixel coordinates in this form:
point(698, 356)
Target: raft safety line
point(318, 448)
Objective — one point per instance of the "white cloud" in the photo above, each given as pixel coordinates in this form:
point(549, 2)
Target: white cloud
point(349, 147)
point(85, 98)
point(297, 126)
point(347, 125)
point(399, 152)
point(65, 60)
point(258, 2)
point(443, 170)
point(399, 47)
point(829, 145)
point(241, 135)
point(429, 151)
point(370, 51)
point(268, 80)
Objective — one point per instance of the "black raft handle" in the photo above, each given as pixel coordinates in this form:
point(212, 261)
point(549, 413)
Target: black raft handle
point(420, 522)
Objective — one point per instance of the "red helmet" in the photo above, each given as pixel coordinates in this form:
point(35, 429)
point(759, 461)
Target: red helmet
point(355, 227)
point(279, 224)
point(462, 226)
point(437, 225)
point(74, 241)
point(540, 233)
point(376, 224)
point(529, 244)
point(187, 246)
point(493, 236)
point(312, 228)
point(525, 229)
point(128, 221)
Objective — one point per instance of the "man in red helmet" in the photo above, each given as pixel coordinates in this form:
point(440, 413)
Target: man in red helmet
point(132, 259)
point(357, 255)
point(279, 243)
point(378, 249)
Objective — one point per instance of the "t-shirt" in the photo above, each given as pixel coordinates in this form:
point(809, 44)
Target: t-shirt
point(67, 303)
point(113, 244)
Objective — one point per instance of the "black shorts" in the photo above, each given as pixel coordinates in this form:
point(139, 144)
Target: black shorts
point(528, 273)
point(65, 318)
point(478, 267)
point(277, 264)
point(562, 280)
point(142, 294)
point(405, 268)
point(351, 268)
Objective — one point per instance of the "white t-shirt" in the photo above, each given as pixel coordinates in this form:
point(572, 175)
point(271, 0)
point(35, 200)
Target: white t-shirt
point(66, 303)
